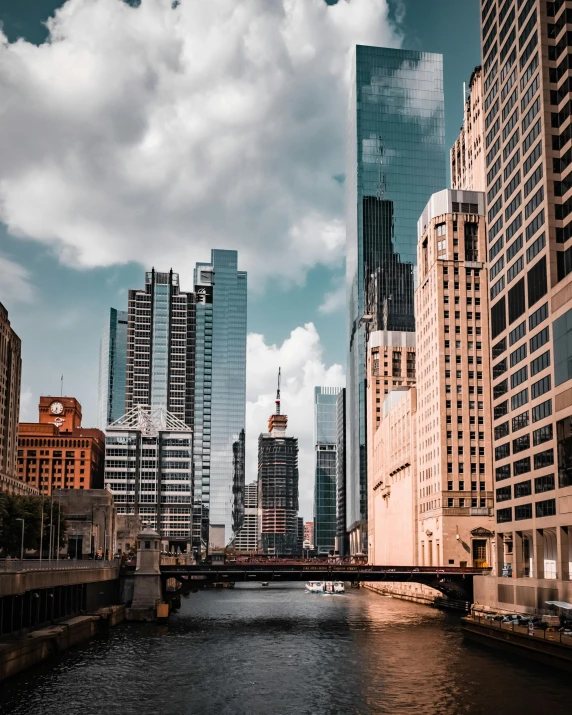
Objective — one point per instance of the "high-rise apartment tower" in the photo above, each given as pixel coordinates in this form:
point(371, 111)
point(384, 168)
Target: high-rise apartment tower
point(160, 347)
point(526, 49)
point(395, 161)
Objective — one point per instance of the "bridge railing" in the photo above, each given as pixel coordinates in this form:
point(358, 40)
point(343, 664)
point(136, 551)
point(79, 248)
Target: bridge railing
point(20, 566)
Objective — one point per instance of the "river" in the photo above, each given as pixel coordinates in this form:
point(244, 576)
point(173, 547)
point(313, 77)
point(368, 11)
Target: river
point(280, 650)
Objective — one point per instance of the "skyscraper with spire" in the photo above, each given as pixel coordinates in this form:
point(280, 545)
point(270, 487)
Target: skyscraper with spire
point(278, 486)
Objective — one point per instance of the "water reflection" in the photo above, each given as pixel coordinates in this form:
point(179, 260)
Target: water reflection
point(255, 651)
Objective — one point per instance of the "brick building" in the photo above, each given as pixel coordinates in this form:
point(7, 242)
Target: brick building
point(57, 452)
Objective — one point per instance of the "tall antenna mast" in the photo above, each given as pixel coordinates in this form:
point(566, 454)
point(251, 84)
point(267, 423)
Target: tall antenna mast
point(278, 395)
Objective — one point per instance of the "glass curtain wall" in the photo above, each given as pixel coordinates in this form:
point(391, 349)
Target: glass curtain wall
point(395, 162)
point(220, 398)
point(325, 492)
point(112, 369)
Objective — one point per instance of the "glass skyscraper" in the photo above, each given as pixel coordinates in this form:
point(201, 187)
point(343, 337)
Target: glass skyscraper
point(395, 162)
point(112, 369)
point(220, 399)
point(325, 491)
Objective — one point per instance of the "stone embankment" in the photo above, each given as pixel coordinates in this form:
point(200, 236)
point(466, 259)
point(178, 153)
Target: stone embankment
point(19, 653)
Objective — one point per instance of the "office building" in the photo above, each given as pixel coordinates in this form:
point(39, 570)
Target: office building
point(10, 379)
point(148, 469)
point(160, 347)
point(220, 399)
point(57, 452)
point(454, 459)
point(391, 365)
point(392, 481)
point(395, 161)
point(342, 540)
point(278, 487)
point(246, 539)
point(308, 535)
point(325, 486)
point(112, 369)
point(526, 50)
point(300, 536)
point(467, 154)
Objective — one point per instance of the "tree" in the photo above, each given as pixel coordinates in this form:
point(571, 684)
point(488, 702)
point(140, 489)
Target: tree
point(13, 508)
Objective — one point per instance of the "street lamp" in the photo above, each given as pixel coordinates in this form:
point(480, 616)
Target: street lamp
point(22, 544)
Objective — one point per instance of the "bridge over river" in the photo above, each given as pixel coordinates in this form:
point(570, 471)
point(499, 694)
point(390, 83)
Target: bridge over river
point(453, 582)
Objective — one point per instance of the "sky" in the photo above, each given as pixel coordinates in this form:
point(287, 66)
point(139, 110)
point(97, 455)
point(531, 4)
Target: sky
point(138, 134)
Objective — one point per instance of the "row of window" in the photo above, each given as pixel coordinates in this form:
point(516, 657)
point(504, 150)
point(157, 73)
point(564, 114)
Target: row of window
point(524, 511)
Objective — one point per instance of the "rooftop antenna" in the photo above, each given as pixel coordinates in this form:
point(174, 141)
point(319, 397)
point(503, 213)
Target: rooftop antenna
point(278, 395)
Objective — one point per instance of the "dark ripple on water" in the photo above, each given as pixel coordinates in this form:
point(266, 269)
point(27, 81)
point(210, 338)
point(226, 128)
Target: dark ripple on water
point(254, 651)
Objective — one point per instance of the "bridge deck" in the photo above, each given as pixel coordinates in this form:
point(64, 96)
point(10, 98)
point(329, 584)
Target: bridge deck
point(318, 571)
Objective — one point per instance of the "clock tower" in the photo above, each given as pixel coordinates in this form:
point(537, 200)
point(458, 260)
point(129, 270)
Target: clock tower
point(63, 412)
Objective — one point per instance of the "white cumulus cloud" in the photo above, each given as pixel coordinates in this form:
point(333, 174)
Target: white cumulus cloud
point(160, 131)
point(15, 282)
point(301, 359)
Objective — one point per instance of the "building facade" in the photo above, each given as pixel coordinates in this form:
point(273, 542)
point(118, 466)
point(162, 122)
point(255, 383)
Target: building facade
point(526, 51)
point(160, 347)
point(220, 399)
point(392, 482)
point(10, 379)
point(395, 161)
point(57, 452)
point(278, 499)
point(148, 469)
point(308, 535)
point(112, 369)
point(246, 539)
point(391, 364)
point(91, 519)
point(325, 485)
point(454, 457)
point(467, 155)
point(342, 538)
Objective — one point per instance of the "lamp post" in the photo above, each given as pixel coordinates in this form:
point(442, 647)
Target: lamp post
point(22, 544)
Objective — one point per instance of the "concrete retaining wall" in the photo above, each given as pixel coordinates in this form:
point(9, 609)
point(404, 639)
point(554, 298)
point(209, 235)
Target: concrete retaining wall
point(21, 654)
point(416, 593)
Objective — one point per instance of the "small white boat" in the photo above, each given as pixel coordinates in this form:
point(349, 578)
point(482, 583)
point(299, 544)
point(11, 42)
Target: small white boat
point(325, 587)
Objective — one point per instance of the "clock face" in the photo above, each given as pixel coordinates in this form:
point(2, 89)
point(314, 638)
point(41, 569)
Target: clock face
point(56, 408)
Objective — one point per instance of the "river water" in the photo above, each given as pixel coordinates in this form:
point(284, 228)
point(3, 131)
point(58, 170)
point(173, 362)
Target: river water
point(280, 650)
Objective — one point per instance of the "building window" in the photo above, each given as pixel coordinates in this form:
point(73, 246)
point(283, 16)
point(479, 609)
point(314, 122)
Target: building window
point(544, 484)
point(522, 489)
point(562, 338)
point(504, 515)
point(546, 508)
point(523, 511)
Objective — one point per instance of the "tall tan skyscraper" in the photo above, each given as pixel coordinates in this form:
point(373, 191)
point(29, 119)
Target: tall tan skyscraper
point(10, 375)
point(467, 154)
point(454, 460)
point(526, 56)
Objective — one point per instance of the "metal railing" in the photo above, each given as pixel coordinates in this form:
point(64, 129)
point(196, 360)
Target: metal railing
point(547, 634)
point(19, 566)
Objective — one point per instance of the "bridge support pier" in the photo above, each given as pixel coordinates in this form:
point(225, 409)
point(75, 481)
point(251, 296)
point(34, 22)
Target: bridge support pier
point(147, 598)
